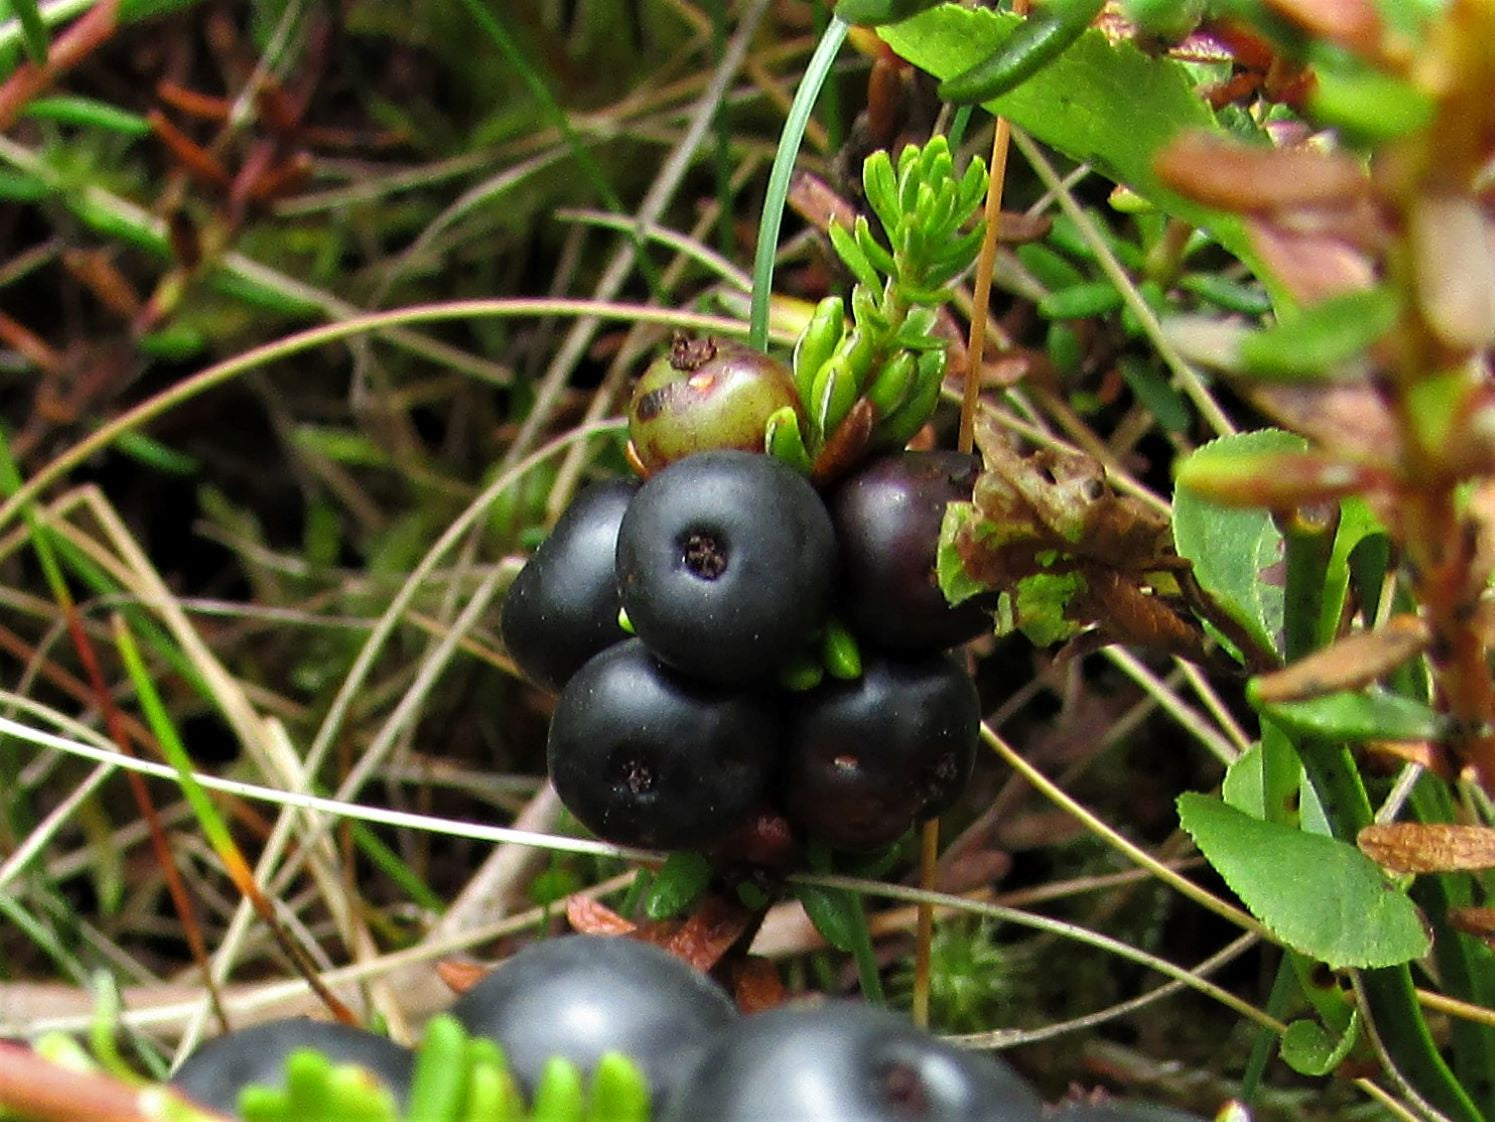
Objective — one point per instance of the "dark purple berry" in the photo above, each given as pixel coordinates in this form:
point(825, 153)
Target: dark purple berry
point(887, 519)
point(849, 1063)
point(645, 756)
point(869, 756)
point(563, 606)
point(724, 565)
point(582, 995)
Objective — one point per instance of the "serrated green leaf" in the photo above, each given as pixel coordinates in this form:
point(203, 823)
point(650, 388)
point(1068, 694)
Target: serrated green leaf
point(680, 880)
point(1074, 102)
point(870, 13)
point(1373, 714)
point(1320, 896)
point(1037, 41)
point(1318, 341)
point(1235, 551)
point(832, 912)
point(1309, 1049)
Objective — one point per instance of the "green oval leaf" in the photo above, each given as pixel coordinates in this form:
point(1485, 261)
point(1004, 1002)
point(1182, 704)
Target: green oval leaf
point(1359, 715)
point(1309, 1049)
point(1233, 549)
point(833, 912)
point(1319, 896)
point(681, 878)
point(1314, 342)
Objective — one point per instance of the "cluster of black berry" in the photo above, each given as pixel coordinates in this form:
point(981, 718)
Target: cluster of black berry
point(583, 1001)
point(789, 648)
point(581, 998)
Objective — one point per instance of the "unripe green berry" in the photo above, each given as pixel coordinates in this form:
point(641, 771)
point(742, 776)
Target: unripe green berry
point(706, 394)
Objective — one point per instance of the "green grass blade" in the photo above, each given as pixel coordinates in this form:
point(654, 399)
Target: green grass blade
point(514, 55)
point(33, 30)
point(790, 139)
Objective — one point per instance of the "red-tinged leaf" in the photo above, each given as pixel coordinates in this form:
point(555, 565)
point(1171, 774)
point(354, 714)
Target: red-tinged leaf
point(756, 985)
point(592, 917)
point(1276, 480)
point(459, 977)
point(1232, 175)
point(1350, 663)
point(709, 932)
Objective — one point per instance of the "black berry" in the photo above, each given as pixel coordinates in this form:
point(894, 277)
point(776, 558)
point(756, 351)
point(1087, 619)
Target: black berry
point(887, 519)
point(216, 1073)
point(847, 1062)
point(645, 756)
point(563, 606)
point(582, 995)
point(724, 564)
point(869, 756)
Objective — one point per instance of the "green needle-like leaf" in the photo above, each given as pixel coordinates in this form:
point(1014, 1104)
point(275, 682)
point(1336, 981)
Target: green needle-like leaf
point(437, 1086)
point(619, 1092)
point(558, 1095)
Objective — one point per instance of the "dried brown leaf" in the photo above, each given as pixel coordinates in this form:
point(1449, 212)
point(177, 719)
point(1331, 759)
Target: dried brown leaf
point(1348, 664)
point(1351, 23)
point(1479, 922)
point(1417, 847)
point(592, 917)
point(709, 932)
point(1238, 177)
point(756, 985)
point(459, 977)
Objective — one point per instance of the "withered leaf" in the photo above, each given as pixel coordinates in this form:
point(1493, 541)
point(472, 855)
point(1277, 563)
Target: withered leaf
point(1347, 664)
point(592, 917)
point(756, 985)
point(709, 931)
point(1479, 922)
point(459, 977)
point(1232, 175)
point(1417, 847)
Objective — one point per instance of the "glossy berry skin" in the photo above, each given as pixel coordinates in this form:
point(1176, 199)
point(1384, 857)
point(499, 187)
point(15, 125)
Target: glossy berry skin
point(706, 394)
point(887, 519)
point(848, 1063)
point(724, 565)
point(216, 1073)
point(1116, 1110)
point(579, 996)
point(869, 756)
point(644, 756)
point(563, 606)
